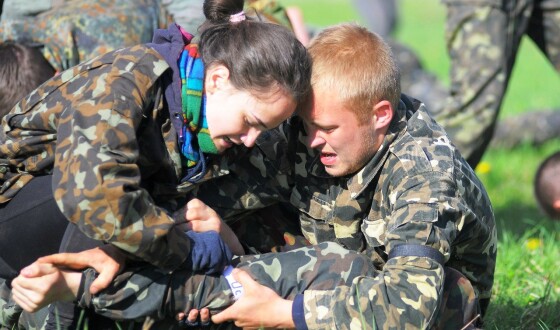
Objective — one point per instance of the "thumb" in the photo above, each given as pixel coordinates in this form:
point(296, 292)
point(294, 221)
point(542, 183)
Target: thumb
point(243, 278)
point(226, 315)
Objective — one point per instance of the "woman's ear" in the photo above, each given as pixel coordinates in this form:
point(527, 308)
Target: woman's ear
point(382, 114)
point(217, 78)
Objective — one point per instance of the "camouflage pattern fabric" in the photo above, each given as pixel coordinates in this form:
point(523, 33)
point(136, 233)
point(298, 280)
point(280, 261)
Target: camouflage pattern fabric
point(272, 229)
point(80, 30)
point(9, 310)
point(416, 190)
point(22, 8)
point(187, 13)
point(146, 291)
point(483, 38)
point(130, 186)
point(270, 10)
point(460, 309)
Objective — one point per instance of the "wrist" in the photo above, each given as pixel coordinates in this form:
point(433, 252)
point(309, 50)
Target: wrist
point(285, 320)
point(73, 281)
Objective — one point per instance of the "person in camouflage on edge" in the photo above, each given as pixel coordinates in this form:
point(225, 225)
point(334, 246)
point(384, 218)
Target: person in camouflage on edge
point(117, 142)
point(483, 38)
point(76, 31)
point(367, 170)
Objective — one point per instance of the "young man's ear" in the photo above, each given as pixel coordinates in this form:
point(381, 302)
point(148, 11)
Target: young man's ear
point(382, 114)
point(217, 78)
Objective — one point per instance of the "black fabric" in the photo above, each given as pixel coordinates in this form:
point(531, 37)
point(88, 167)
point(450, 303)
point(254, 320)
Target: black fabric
point(31, 226)
point(74, 240)
point(415, 250)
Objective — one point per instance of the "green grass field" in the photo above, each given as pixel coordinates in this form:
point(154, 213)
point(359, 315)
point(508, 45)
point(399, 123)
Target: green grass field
point(527, 282)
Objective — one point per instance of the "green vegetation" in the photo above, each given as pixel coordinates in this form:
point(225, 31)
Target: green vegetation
point(527, 283)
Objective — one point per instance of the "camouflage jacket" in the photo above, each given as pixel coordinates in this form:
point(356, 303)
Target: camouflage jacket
point(80, 30)
point(103, 130)
point(271, 10)
point(416, 190)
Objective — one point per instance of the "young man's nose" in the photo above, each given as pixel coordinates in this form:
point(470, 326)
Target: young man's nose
point(315, 139)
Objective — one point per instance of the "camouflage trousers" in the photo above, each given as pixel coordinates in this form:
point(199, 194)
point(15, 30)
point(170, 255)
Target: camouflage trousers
point(148, 292)
point(483, 38)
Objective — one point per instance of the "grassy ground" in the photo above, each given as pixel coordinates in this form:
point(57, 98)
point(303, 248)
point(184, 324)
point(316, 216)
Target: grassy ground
point(527, 283)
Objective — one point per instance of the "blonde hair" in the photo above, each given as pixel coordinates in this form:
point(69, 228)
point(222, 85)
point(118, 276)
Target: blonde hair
point(358, 65)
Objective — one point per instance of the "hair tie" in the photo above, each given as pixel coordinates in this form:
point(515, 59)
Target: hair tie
point(240, 16)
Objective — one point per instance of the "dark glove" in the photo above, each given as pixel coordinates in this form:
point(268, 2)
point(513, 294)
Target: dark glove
point(208, 253)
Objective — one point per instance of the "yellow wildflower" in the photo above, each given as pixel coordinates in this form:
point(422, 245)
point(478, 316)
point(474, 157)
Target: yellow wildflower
point(533, 243)
point(483, 168)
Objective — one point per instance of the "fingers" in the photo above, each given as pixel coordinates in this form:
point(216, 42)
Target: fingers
point(230, 313)
point(204, 315)
point(195, 203)
point(227, 314)
point(21, 298)
point(36, 292)
point(193, 316)
point(104, 279)
point(75, 261)
point(195, 209)
point(37, 269)
point(184, 226)
point(246, 281)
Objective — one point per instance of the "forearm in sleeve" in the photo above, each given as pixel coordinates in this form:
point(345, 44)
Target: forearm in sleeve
point(146, 291)
point(404, 295)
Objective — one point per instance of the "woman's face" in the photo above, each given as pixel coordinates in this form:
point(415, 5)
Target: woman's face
point(239, 117)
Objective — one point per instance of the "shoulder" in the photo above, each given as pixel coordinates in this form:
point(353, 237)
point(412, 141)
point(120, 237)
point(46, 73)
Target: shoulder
point(137, 67)
point(423, 145)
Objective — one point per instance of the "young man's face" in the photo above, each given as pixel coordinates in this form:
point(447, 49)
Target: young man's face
point(345, 144)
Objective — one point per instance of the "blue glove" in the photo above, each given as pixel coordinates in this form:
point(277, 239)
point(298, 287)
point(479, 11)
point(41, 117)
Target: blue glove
point(208, 253)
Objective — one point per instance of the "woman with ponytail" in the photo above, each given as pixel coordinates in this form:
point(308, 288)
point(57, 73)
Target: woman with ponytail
point(113, 145)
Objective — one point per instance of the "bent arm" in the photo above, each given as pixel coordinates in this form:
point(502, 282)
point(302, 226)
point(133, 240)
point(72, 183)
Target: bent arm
point(407, 292)
point(97, 178)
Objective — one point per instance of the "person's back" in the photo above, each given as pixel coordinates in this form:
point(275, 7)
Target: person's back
point(23, 68)
point(80, 30)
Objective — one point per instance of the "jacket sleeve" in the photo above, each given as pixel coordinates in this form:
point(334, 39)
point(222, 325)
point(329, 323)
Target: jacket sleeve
point(425, 210)
point(96, 178)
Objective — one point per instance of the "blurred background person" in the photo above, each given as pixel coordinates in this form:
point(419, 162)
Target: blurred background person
point(547, 186)
point(483, 38)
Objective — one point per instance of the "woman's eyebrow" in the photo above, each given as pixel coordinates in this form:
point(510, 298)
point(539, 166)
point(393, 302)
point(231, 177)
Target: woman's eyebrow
point(260, 122)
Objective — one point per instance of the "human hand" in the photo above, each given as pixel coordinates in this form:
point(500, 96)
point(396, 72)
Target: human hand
point(107, 260)
point(192, 319)
point(49, 284)
point(258, 307)
point(202, 218)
